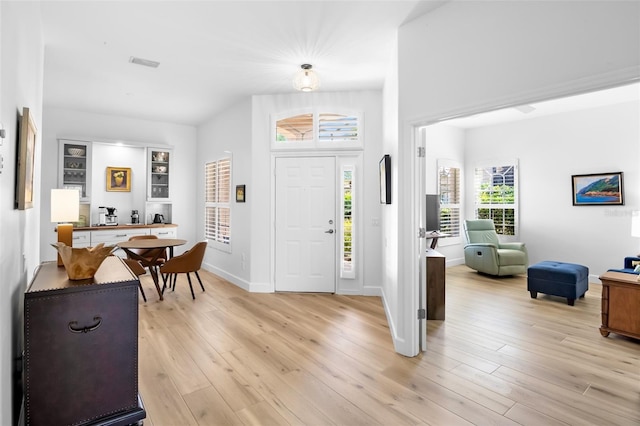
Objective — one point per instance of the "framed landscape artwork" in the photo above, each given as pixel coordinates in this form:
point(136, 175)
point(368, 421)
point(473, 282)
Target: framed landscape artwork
point(598, 189)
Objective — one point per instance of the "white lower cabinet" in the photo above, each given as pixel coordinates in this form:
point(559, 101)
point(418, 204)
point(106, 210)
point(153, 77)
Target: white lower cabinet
point(165, 232)
point(113, 237)
point(81, 239)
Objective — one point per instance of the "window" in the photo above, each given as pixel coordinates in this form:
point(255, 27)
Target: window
point(347, 266)
point(217, 203)
point(298, 128)
point(337, 127)
point(309, 130)
point(496, 195)
point(449, 190)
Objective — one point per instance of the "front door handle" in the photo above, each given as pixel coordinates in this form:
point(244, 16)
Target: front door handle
point(330, 231)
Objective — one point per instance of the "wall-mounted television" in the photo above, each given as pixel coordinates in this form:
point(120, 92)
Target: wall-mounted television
point(432, 209)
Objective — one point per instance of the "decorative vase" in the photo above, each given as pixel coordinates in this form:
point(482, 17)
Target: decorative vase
point(82, 263)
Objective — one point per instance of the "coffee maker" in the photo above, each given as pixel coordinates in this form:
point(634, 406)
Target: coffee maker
point(111, 218)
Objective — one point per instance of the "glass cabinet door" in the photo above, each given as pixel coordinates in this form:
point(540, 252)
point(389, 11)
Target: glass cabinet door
point(159, 172)
point(75, 167)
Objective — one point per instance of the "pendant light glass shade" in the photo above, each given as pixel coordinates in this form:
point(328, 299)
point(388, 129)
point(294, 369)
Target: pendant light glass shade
point(306, 80)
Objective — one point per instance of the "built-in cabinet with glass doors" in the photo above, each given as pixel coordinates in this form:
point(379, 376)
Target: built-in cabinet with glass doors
point(158, 206)
point(159, 170)
point(74, 167)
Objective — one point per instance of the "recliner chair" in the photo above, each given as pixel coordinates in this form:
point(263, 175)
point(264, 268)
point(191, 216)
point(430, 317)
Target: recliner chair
point(486, 254)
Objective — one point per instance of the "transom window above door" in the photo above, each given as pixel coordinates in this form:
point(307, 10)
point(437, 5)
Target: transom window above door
point(317, 130)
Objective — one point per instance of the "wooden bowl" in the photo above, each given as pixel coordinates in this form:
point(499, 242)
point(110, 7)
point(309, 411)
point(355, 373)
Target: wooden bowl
point(82, 263)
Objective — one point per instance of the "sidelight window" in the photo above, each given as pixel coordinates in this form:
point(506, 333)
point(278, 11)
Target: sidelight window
point(347, 267)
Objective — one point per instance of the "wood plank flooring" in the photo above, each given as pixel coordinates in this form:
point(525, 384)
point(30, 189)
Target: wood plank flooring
point(500, 358)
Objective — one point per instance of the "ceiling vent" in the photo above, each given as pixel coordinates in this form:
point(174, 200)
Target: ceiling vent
point(144, 62)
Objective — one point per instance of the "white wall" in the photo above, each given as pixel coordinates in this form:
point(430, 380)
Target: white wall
point(550, 149)
point(229, 133)
point(252, 221)
point(392, 292)
point(444, 142)
point(107, 130)
point(466, 57)
point(21, 82)
point(110, 155)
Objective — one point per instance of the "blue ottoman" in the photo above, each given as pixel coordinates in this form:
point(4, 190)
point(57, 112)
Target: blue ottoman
point(558, 279)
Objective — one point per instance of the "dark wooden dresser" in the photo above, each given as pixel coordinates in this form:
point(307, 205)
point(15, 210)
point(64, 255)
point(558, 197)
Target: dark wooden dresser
point(81, 347)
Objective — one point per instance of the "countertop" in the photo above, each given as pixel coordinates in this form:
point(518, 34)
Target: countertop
point(125, 226)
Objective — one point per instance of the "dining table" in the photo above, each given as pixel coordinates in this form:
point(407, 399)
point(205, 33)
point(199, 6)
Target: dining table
point(131, 246)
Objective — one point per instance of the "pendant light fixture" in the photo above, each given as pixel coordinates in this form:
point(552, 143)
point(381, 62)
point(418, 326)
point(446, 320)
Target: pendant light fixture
point(306, 80)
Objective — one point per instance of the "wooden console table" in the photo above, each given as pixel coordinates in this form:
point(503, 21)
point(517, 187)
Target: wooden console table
point(435, 285)
point(620, 304)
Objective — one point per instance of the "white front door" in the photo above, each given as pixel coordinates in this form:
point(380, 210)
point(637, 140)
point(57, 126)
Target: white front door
point(305, 224)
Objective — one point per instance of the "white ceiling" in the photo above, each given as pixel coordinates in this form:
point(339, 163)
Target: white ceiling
point(212, 53)
point(616, 95)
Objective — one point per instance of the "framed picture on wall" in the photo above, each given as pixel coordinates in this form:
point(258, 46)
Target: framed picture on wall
point(240, 194)
point(385, 179)
point(598, 189)
point(25, 166)
point(118, 179)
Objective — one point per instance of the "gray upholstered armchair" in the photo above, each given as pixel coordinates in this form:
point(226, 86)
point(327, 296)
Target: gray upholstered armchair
point(486, 254)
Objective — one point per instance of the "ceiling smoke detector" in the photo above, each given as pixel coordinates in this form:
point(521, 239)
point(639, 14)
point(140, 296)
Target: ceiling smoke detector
point(144, 62)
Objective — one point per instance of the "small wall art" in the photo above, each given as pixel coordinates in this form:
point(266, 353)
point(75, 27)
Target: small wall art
point(240, 193)
point(118, 179)
point(385, 179)
point(598, 189)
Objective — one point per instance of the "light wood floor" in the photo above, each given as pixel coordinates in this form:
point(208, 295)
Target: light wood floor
point(499, 358)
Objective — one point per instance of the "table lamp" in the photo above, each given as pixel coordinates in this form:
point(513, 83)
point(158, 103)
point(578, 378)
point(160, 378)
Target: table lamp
point(635, 225)
point(65, 208)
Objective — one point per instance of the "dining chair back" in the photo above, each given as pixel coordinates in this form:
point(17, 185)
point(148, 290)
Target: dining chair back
point(187, 262)
point(150, 253)
point(137, 269)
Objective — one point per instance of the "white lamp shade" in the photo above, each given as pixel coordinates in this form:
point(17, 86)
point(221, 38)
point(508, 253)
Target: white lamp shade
point(635, 224)
point(306, 79)
point(65, 205)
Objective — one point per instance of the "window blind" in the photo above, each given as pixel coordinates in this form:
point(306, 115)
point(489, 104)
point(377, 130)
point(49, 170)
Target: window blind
point(449, 191)
point(217, 196)
point(337, 127)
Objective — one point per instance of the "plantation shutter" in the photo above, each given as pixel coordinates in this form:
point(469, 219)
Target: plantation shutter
point(449, 191)
point(337, 127)
point(217, 201)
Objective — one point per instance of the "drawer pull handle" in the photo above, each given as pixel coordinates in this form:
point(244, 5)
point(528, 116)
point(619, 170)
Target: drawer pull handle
point(162, 233)
point(120, 236)
point(73, 326)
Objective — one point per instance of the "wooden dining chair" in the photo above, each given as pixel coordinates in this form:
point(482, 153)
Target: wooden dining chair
point(149, 254)
point(137, 269)
point(187, 262)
